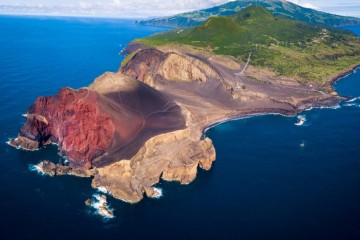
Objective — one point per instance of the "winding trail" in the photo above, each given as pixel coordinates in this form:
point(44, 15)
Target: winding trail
point(247, 63)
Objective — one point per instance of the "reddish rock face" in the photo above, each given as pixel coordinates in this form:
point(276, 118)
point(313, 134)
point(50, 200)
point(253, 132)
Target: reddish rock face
point(93, 129)
point(75, 121)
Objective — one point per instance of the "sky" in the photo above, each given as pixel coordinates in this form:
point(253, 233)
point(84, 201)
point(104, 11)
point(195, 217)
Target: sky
point(148, 8)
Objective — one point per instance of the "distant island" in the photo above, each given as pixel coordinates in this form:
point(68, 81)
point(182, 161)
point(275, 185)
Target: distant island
point(146, 122)
point(279, 8)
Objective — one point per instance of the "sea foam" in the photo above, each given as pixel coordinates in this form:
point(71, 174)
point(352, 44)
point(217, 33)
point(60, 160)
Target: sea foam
point(301, 119)
point(353, 99)
point(352, 105)
point(102, 190)
point(158, 193)
point(36, 168)
point(99, 203)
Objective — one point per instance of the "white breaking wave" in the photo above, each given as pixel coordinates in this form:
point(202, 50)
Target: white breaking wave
point(36, 168)
point(337, 106)
point(301, 119)
point(352, 105)
point(99, 203)
point(158, 193)
point(353, 100)
point(102, 189)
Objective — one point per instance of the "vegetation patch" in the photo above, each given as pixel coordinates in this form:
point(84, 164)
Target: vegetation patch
point(289, 47)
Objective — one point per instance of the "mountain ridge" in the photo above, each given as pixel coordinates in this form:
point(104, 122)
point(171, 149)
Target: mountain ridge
point(290, 48)
point(277, 7)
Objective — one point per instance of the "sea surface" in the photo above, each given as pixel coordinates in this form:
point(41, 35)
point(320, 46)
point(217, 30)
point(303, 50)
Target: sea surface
point(271, 179)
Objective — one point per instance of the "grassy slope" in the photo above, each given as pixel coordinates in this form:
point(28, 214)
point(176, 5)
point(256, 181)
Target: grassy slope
point(289, 47)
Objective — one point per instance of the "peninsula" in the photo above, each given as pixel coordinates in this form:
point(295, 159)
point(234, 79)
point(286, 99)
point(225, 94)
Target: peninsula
point(146, 122)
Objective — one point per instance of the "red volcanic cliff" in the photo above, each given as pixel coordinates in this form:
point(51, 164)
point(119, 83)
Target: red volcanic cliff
point(97, 127)
point(73, 120)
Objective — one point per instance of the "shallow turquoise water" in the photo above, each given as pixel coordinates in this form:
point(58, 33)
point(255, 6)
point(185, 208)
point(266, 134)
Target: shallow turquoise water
point(263, 185)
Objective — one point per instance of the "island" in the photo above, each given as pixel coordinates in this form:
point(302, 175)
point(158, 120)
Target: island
point(279, 8)
point(147, 122)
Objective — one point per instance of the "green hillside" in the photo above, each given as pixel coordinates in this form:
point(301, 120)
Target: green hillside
point(278, 8)
point(289, 47)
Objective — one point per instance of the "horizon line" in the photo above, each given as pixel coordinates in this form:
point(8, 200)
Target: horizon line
point(71, 16)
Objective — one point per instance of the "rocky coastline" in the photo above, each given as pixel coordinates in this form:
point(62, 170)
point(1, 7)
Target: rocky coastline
point(146, 122)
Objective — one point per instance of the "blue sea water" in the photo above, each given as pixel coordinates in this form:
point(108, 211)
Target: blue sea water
point(271, 179)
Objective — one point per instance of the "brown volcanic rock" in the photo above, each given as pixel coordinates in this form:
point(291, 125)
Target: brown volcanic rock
point(144, 64)
point(100, 125)
point(148, 64)
point(173, 156)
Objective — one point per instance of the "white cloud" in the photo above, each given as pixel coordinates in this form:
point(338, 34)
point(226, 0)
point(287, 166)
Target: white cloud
point(148, 8)
point(111, 8)
point(310, 5)
point(85, 5)
point(304, 4)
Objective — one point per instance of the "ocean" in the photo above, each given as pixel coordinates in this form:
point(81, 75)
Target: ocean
point(271, 179)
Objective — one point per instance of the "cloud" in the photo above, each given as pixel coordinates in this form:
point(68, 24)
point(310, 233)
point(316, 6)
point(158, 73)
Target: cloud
point(147, 8)
point(85, 5)
point(310, 5)
point(304, 4)
point(111, 8)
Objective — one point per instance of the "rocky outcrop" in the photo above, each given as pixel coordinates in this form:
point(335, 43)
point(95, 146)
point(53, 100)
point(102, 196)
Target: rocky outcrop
point(143, 65)
point(51, 169)
point(177, 67)
point(151, 64)
point(82, 128)
point(111, 82)
point(173, 156)
point(133, 47)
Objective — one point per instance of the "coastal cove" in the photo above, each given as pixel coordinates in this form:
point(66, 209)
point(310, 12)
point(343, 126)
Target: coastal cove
point(264, 183)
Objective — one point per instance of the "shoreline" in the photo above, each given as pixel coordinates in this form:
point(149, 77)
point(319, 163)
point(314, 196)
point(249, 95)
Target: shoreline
point(332, 82)
point(240, 117)
point(297, 111)
point(342, 75)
